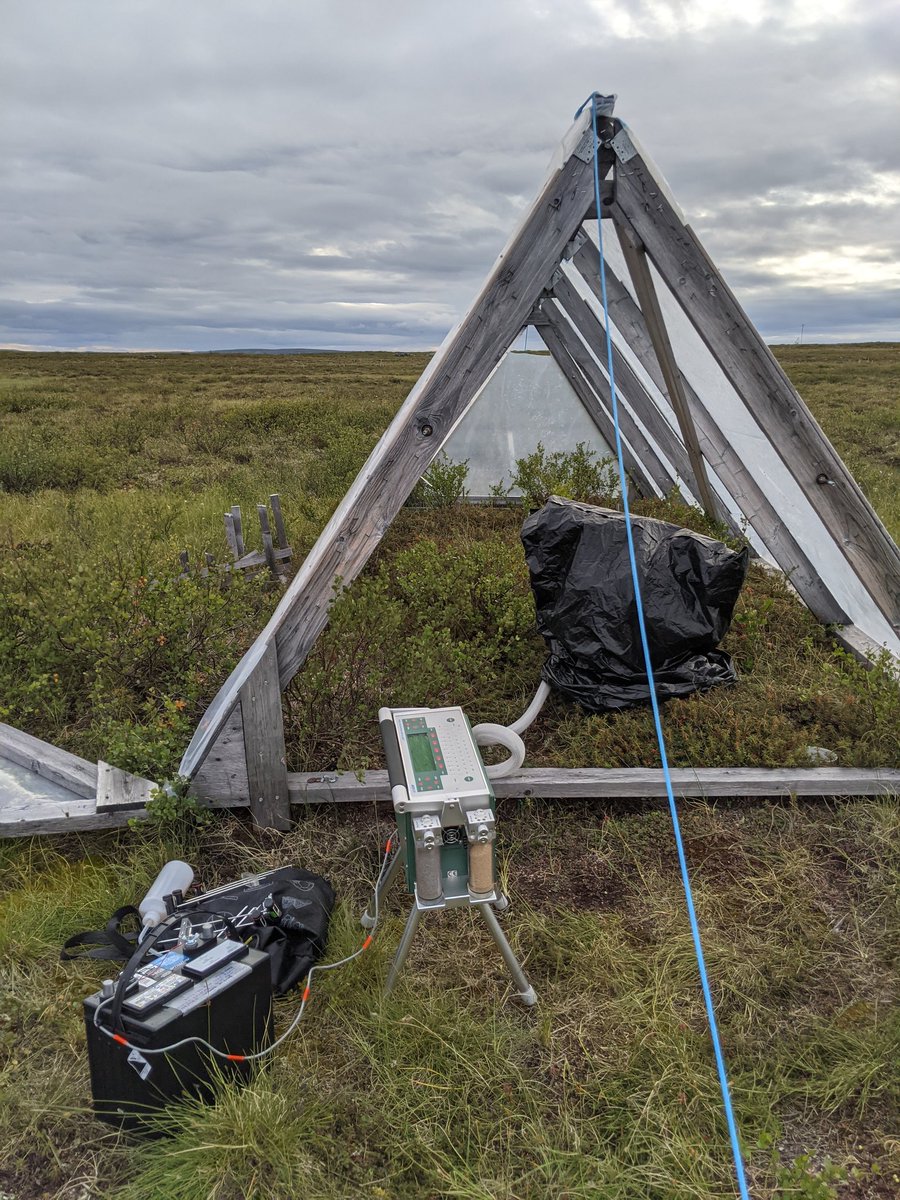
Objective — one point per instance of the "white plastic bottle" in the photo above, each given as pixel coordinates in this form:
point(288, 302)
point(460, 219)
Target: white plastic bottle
point(175, 876)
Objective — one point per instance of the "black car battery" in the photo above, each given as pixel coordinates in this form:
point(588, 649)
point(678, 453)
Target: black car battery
point(222, 997)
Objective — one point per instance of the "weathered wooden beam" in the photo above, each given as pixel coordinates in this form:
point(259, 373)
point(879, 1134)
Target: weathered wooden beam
point(50, 762)
point(598, 412)
point(230, 536)
point(643, 206)
point(639, 269)
point(238, 524)
point(588, 783)
point(280, 531)
point(117, 790)
point(443, 394)
point(224, 770)
point(263, 727)
point(40, 817)
point(268, 545)
point(256, 558)
point(641, 460)
point(719, 452)
point(629, 384)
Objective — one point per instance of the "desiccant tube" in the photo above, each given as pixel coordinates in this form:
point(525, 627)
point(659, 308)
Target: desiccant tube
point(428, 872)
point(481, 867)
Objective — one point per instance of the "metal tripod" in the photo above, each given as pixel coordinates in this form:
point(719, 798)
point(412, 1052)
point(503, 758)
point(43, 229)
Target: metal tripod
point(487, 908)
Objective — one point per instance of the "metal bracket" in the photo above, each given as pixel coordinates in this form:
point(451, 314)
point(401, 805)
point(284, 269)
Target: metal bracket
point(585, 148)
point(623, 146)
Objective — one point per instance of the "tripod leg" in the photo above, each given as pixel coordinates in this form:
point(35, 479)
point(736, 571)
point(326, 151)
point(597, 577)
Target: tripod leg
point(403, 949)
point(527, 993)
point(367, 920)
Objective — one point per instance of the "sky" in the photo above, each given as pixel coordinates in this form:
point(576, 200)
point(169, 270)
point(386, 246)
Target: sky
point(211, 174)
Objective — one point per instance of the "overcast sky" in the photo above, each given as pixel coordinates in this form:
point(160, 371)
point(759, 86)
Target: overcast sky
point(202, 174)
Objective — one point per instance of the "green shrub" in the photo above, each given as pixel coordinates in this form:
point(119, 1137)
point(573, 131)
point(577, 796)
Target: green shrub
point(578, 475)
point(442, 485)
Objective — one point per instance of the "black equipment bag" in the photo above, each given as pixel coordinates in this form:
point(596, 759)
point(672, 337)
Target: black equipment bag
point(584, 596)
point(284, 912)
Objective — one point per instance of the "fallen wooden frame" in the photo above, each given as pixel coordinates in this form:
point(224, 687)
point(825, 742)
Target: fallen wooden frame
point(272, 555)
point(540, 783)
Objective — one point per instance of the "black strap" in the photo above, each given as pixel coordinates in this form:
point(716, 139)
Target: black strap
point(111, 942)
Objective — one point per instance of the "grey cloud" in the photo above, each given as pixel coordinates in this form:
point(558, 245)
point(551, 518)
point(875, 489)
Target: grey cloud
point(226, 173)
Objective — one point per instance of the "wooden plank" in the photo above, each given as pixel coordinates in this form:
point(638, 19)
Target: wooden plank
point(587, 783)
point(280, 531)
point(263, 726)
point(721, 455)
point(636, 261)
point(230, 536)
point(238, 523)
point(751, 368)
point(224, 771)
point(256, 558)
point(627, 382)
point(640, 457)
point(864, 649)
point(268, 545)
point(50, 762)
point(548, 783)
point(584, 783)
point(442, 395)
point(47, 817)
point(118, 790)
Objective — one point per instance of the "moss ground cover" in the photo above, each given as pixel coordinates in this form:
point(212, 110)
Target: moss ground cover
point(108, 467)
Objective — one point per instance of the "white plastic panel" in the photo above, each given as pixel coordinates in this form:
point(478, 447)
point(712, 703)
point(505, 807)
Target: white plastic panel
point(752, 445)
point(527, 400)
point(19, 785)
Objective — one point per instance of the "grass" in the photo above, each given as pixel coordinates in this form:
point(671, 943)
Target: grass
point(448, 1089)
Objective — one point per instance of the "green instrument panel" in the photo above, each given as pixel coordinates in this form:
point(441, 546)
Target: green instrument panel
point(425, 753)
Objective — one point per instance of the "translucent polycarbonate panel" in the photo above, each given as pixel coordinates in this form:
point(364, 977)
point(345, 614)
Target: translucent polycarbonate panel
point(759, 455)
point(526, 401)
point(18, 785)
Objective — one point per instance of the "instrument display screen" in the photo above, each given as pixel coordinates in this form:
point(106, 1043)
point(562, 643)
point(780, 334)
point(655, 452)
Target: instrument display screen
point(421, 752)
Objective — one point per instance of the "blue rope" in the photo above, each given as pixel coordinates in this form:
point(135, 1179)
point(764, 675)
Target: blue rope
point(654, 703)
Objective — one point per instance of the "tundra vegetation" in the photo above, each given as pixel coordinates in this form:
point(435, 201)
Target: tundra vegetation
point(109, 466)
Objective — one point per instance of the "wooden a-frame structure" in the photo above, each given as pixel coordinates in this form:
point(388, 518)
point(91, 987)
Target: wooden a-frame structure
point(547, 277)
point(728, 432)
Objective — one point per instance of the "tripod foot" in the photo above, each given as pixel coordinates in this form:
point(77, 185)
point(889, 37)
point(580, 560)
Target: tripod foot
point(526, 992)
point(367, 921)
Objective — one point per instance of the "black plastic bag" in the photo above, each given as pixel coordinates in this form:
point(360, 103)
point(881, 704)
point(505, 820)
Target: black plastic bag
point(581, 578)
point(291, 909)
point(284, 911)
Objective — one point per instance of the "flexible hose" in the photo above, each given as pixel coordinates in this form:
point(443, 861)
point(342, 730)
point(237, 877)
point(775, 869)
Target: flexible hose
point(529, 715)
point(489, 734)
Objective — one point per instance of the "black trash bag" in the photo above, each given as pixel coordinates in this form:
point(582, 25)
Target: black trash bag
point(581, 578)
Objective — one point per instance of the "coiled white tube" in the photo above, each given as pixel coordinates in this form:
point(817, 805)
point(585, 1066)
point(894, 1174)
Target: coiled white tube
point(489, 734)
